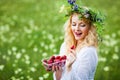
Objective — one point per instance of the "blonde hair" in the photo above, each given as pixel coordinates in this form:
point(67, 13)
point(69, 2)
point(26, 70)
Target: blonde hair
point(89, 40)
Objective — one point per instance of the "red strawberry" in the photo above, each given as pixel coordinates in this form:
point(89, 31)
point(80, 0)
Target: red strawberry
point(52, 58)
point(57, 57)
point(50, 62)
point(64, 57)
point(57, 60)
point(45, 61)
point(73, 47)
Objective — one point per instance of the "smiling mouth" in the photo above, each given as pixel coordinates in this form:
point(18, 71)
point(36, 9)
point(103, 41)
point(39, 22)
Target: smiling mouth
point(78, 34)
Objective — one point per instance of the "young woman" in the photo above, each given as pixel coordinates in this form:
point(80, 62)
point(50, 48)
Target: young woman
point(80, 46)
point(82, 59)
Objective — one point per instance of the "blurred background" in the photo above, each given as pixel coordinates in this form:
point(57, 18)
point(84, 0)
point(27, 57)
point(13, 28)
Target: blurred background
point(31, 30)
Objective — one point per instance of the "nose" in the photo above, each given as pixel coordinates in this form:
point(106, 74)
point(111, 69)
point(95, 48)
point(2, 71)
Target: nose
point(77, 27)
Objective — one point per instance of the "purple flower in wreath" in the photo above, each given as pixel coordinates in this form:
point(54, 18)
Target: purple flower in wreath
point(71, 1)
point(75, 7)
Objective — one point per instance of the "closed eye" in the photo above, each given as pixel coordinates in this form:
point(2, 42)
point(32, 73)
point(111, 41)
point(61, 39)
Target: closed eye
point(82, 25)
point(73, 24)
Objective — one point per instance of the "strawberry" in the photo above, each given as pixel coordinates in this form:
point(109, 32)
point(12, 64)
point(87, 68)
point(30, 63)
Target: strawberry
point(64, 57)
point(52, 58)
point(57, 57)
point(45, 61)
point(57, 60)
point(50, 62)
point(73, 47)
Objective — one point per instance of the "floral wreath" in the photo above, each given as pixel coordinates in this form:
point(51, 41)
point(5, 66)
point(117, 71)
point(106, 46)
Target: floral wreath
point(94, 16)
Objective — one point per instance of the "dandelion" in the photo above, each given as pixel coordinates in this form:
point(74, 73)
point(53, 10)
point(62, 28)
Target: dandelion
point(11, 39)
point(55, 50)
point(107, 37)
point(15, 17)
point(113, 42)
point(51, 46)
point(46, 47)
point(14, 48)
point(2, 67)
point(106, 51)
point(26, 57)
point(16, 61)
point(18, 55)
point(41, 78)
point(61, 37)
point(115, 57)
point(27, 62)
point(31, 23)
point(35, 49)
point(29, 78)
point(35, 64)
point(14, 65)
point(44, 32)
point(61, 8)
point(106, 68)
point(32, 69)
point(116, 49)
point(21, 78)
point(114, 35)
point(13, 78)
point(4, 56)
point(9, 52)
point(44, 54)
point(28, 31)
point(42, 44)
point(102, 59)
point(18, 70)
point(46, 75)
point(23, 50)
point(50, 36)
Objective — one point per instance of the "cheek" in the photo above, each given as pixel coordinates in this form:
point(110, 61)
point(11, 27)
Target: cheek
point(85, 31)
point(72, 28)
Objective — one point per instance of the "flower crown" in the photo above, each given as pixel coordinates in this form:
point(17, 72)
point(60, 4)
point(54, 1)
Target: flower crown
point(95, 17)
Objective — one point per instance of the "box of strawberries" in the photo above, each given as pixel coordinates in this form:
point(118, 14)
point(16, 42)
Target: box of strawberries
point(54, 61)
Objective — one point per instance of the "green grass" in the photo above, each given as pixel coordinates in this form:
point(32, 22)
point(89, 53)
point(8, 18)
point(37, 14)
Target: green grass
point(31, 30)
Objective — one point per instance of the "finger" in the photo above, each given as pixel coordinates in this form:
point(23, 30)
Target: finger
point(72, 51)
point(53, 68)
point(60, 68)
point(57, 68)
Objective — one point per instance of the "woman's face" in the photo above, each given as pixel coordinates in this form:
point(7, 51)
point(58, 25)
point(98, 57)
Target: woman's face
point(79, 27)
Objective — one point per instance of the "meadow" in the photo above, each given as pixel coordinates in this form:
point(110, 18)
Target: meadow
point(31, 30)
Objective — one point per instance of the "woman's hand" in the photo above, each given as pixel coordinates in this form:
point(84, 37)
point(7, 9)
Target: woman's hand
point(71, 57)
point(47, 68)
point(58, 71)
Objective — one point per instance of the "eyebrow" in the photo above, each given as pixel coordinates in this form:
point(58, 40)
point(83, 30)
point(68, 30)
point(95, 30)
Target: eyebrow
point(79, 22)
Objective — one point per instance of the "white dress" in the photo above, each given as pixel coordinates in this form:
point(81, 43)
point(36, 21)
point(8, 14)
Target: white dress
point(84, 66)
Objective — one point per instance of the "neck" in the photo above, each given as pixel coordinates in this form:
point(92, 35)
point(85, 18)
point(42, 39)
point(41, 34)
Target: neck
point(79, 42)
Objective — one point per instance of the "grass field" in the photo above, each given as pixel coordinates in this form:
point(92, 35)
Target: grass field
point(31, 30)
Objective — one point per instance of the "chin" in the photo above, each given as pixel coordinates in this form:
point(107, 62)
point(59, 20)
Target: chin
point(78, 38)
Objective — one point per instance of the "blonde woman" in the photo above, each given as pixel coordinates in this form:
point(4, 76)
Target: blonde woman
point(80, 46)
